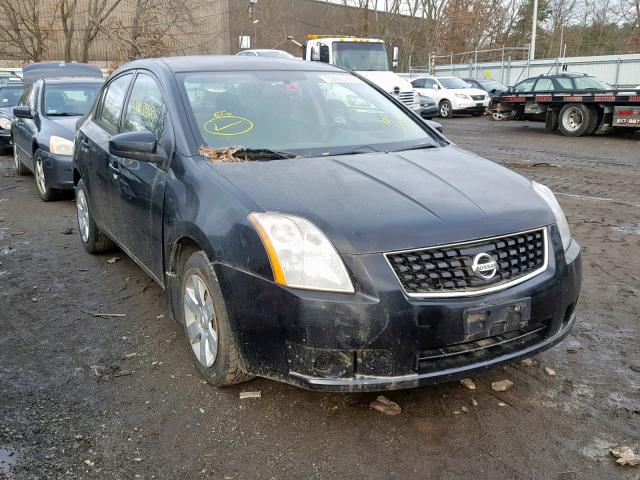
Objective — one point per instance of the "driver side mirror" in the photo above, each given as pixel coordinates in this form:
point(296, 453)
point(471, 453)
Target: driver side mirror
point(141, 146)
point(22, 112)
point(492, 91)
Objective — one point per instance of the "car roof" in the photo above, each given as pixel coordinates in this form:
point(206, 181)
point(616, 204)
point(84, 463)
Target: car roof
point(72, 80)
point(227, 63)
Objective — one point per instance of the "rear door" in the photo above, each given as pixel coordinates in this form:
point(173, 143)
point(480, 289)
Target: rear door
point(137, 188)
point(93, 141)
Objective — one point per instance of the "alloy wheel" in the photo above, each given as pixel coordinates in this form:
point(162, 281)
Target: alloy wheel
point(40, 177)
point(444, 110)
point(200, 320)
point(83, 215)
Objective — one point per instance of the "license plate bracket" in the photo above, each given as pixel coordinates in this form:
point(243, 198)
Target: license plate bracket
point(489, 320)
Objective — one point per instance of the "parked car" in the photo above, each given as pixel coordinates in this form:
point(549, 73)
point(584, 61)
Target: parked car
point(494, 88)
point(564, 82)
point(428, 107)
point(345, 252)
point(265, 52)
point(10, 94)
point(43, 128)
point(453, 95)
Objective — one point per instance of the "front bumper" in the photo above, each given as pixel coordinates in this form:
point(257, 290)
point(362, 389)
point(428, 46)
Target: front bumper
point(5, 139)
point(58, 171)
point(380, 339)
point(462, 105)
point(429, 111)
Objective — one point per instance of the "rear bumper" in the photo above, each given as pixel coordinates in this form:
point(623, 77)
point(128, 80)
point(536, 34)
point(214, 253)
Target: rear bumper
point(380, 339)
point(58, 171)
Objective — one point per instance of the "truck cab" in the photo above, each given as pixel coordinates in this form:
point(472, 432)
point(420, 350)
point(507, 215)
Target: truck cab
point(365, 56)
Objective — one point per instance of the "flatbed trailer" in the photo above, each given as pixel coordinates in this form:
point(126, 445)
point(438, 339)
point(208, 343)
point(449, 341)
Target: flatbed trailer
point(575, 113)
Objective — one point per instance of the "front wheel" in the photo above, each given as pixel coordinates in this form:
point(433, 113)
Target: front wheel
point(204, 315)
point(446, 109)
point(93, 240)
point(20, 168)
point(46, 194)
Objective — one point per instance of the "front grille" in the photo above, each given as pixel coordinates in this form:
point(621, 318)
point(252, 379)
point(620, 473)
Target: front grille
point(478, 97)
point(447, 270)
point(406, 97)
point(454, 356)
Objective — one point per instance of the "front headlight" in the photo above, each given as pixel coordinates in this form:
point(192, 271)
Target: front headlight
point(60, 146)
point(5, 123)
point(548, 196)
point(462, 95)
point(301, 255)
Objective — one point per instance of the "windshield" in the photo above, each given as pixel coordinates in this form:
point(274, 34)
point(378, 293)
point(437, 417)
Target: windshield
point(590, 83)
point(9, 96)
point(68, 100)
point(492, 85)
point(453, 83)
point(308, 113)
point(360, 56)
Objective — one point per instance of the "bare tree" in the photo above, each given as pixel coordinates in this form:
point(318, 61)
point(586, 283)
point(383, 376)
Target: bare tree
point(96, 14)
point(27, 28)
point(67, 9)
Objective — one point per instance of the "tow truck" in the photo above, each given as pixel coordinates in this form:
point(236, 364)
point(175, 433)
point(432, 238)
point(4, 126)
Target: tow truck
point(574, 113)
point(367, 57)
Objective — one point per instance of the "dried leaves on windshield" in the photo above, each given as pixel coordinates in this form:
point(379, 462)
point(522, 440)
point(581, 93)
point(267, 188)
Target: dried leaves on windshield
point(223, 155)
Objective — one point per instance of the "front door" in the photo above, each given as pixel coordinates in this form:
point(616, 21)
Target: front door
point(93, 140)
point(137, 188)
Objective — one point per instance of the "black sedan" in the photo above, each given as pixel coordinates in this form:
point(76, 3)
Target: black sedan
point(564, 82)
point(428, 107)
point(10, 94)
point(335, 246)
point(43, 130)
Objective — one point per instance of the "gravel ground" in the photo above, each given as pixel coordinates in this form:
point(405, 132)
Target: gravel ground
point(117, 397)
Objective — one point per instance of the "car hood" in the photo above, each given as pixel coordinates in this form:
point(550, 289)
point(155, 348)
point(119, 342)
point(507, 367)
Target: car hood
point(66, 126)
point(468, 91)
point(384, 202)
point(388, 81)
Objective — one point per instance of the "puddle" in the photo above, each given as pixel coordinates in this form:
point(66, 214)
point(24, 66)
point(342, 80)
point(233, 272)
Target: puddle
point(627, 230)
point(7, 459)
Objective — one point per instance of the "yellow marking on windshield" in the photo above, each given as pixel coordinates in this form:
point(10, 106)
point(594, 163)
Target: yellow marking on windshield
point(226, 124)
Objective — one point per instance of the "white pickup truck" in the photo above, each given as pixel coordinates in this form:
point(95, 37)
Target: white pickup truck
point(365, 56)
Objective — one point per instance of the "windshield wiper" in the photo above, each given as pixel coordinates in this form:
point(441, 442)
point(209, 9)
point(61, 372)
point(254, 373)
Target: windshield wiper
point(265, 154)
point(64, 114)
point(420, 146)
point(354, 151)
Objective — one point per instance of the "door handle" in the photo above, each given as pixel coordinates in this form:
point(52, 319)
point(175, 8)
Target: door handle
point(115, 167)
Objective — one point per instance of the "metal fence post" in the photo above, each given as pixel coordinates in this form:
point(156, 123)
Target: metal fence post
point(451, 63)
point(475, 63)
point(502, 67)
point(509, 72)
point(617, 72)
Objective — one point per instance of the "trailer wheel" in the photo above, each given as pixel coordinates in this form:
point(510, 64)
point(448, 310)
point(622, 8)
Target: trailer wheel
point(497, 116)
point(577, 120)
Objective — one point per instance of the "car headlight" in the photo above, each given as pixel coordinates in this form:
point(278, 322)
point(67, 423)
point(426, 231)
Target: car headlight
point(5, 123)
point(60, 146)
point(462, 95)
point(548, 196)
point(301, 255)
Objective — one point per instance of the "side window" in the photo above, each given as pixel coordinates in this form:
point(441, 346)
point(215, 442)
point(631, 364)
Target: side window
point(418, 83)
point(146, 109)
point(429, 83)
point(24, 99)
point(525, 86)
point(543, 85)
point(108, 116)
point(565, 83)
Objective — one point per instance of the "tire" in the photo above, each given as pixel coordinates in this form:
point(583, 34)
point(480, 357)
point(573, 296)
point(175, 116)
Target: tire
point(551, 120)
point(202, 311)
point(446, 110)
point(477, 114)
point(93, 240)
point(45, 193)
point(20, 168)
point(577, 120)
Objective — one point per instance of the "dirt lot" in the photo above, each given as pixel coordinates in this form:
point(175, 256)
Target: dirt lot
point(92, 397)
